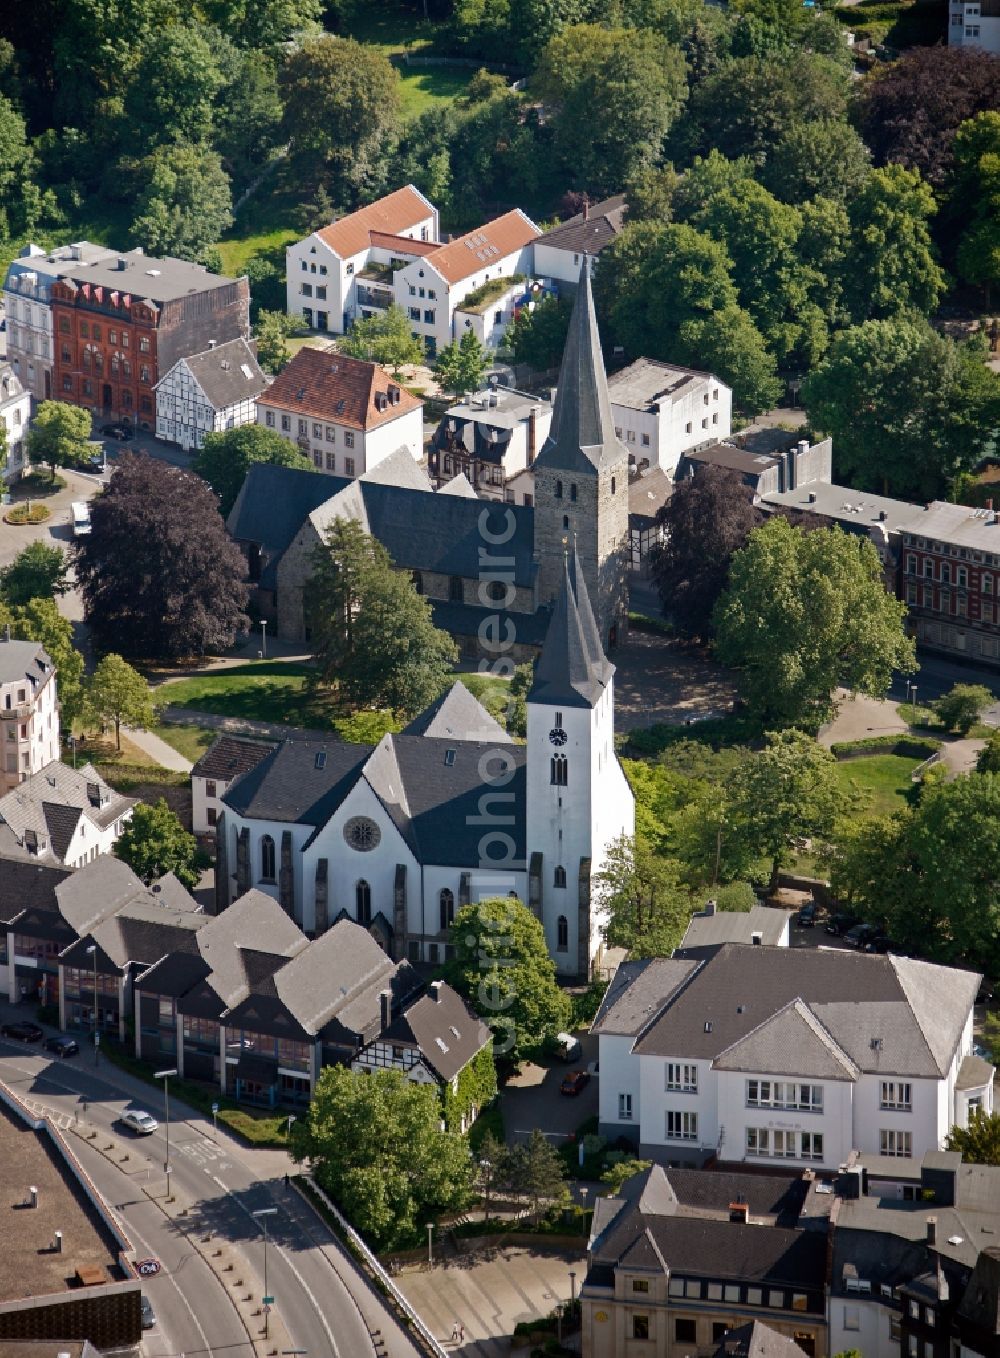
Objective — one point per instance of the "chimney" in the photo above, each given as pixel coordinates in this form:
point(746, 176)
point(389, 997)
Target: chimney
point(932, 1231)
point(385, 999)
point(756, 939)
point(436, 991)
point(740, 1211)
point(812, 497)
point(33, 1196)
point(211, 344)
point(711, 907)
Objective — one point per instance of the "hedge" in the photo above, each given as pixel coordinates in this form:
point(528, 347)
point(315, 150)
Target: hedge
point(910, 747)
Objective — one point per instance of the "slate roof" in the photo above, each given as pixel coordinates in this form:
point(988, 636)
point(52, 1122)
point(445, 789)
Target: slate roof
point(974, 1072)
point(51, 802)
point(27, 885)
point(726, 455)
point(227, 374)
point(273, 504)
point(757, 1340)
point(445, 1029)
point(637, 992)
point(980, 1304)
point(464, 620)
point(293, 784)
point(913, 1012)
point(734, 926)
point(791, 1040)
point(332, 969)
point(396, 212)
point(591, 233)
point(229, 757)
point(97, 890)
point(23, 660)
point(325, 385)
point(143, 931)
point(582, 437)
point(572, 670)
point(647, 494)
point(457, 715)
point(485, 245)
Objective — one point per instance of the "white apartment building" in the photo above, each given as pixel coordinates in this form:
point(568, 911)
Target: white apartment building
point(29, 710)
point(440, 292)
point(662, 411)
point(974, 23)
point(15, 412)
point(344, 270)
point(343, 413)
point(61, 816)
point(759, 1053)
point(208, 393)
point(26, 292)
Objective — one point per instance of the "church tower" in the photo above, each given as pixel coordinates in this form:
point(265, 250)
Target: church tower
point(581, 477)
point(578, 799)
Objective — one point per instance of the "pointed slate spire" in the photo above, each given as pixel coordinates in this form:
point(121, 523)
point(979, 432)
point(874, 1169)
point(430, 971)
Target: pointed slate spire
point(572, 670)
point(582, 435)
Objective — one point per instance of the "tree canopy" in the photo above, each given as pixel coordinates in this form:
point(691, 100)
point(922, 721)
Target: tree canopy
point(979, 1143)
point(384, 337)
point(804, 613)
point(159, 575)
point(40, 620)
point(118, 693)
point(461, 365)
point(58, 435)
point(646, 905)
point(374, 1143)
point(37, 572)
point(154, 842)
point(226, 457)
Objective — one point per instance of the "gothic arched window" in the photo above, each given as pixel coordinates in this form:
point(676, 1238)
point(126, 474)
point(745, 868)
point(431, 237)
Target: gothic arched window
point(558, 770)
point(562, 933)
point(447, 899)
point(267, 859)
point(560, 876)
point(363, 903)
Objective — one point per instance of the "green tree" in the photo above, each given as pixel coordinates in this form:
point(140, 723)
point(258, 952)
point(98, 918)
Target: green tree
point(17, 191)
point(461, 365)
point(501, 965)
point(538, 336)
point(58, 435)
point(667, 291)
point(271, 331)
point(891, 265)
point(988, 758)
point(804, 613)
point(263, 24)
point(40, 620)
point(37, 572)
point(908, 409)
point(186, 203)
point(962, 706)
point(538, 1173)
point(154, 842)
point(374, 640)
point(118, 693)
point(384, 337)
point(248, 117)
point(341, 101)
point(613, 96)
point(976, 196)
point(617, 1175)
point(226, 457)
point(374, 1144)
point(176, 81)
point(979, 1143)
point(641, 893)
point(825, 158)
point(787, 792)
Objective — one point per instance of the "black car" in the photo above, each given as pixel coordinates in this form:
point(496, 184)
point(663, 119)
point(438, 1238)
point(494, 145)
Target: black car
point(23, 1032)
point(861, 935)
point(62, 1046)
point(807, 915)
point(121, 432)
point(840, 924)
point(879, 943)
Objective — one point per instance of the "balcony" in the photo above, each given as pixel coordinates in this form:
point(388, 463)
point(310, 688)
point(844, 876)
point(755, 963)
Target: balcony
point(375, 295)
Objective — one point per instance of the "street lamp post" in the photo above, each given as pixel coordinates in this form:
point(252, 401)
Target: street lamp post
point(430, 1244)
point(263, 637)
point(92, 952)
point(914, 702)
point(261, 1216)
point(165, 1075)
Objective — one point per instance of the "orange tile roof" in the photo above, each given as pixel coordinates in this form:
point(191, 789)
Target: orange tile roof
point(486, 245)
point(329, 386)
point(393, 214)
point(405, 244)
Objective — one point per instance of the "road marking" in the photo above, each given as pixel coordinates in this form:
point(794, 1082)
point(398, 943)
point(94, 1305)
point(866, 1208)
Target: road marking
point(302, 1282)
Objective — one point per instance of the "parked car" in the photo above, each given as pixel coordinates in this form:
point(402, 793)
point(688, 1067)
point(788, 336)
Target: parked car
point(139, 1121)
point(979, 1050)
point(575, 1082)
point(861, 935)
point(121, 432)
point(62, 1046)
point(148, 1314)
point(568, 1047)
point(22, 1032)
point(840, 924)
point(879, 942)
point(807, 915)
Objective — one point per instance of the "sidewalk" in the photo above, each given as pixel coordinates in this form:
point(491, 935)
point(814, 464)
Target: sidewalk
point(212, 721)
point(860, 718)
point(159, 750)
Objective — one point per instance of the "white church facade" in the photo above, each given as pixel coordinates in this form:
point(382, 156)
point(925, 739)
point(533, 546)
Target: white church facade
point(399, 836)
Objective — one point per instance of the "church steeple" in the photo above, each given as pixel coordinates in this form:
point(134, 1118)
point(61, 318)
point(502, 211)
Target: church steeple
point(572, 670)
point(582, 435)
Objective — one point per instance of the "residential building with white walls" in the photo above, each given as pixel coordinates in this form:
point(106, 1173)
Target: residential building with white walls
point(15, 414)
point(974, 23)
point(559, 252)
point(662, 411)
point(63, 816)
point(208, 393)
point(29, 710)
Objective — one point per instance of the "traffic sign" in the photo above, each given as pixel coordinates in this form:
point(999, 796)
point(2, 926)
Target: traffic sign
point(215, 1107)
point(268, 1301)
point(266, 1309)
point(147, 1268)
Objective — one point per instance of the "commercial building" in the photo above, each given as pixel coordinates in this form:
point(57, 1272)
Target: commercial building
point(951, 579)
point(29, 710)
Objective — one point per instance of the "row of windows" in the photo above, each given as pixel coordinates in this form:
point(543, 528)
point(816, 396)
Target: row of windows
point(319, 431)
point(322, 268)
point(124, 399)
point(787, 1145)
point(955, 604)
point(419, 292)
point(428, 316)
point(94, 358)
point(93, 331)
point(781, 1094)
point(331, 462)
point(944, 573)
point(306, 289)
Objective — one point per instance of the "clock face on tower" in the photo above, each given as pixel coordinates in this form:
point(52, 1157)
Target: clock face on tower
point(557, 736)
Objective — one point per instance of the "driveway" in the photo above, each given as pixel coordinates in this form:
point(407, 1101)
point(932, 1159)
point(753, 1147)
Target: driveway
point(532, 1099)
point(658, 680)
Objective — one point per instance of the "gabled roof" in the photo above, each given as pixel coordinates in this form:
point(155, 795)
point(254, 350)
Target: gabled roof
point(733, 926)
point(23, 660)
point(790, 1042)
point(272, 506)
point(457, 715)
point(230, 756)
point(638, 991)
point(27, 885)
point(573, 670)
point(757, 1340)
point(484, 246)
point(588, 233)
point(324, 385)
point(332, 970)
point(445, 1029)
point(50, 804)
point(227, 374)
point(97, 890)
point(396, 212)
point(459, 485)
point(582, 436)
point(300, 781)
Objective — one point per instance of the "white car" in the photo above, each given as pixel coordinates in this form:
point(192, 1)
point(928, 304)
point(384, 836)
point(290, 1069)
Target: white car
point(139, 1121)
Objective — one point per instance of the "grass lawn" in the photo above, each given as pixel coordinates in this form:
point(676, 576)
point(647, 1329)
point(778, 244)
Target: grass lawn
point(427, 87)
point(101, 750)
point(885, 776)
point(265, 690)
point(190, 741)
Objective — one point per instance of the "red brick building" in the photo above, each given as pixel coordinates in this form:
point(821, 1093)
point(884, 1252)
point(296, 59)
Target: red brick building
point(950, 571)
point(123, 322)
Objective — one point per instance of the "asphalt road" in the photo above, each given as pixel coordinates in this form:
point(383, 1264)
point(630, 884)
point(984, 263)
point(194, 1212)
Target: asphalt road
point(313, 1289)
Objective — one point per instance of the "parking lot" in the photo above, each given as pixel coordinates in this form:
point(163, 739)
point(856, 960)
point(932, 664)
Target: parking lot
point(532, 1098)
